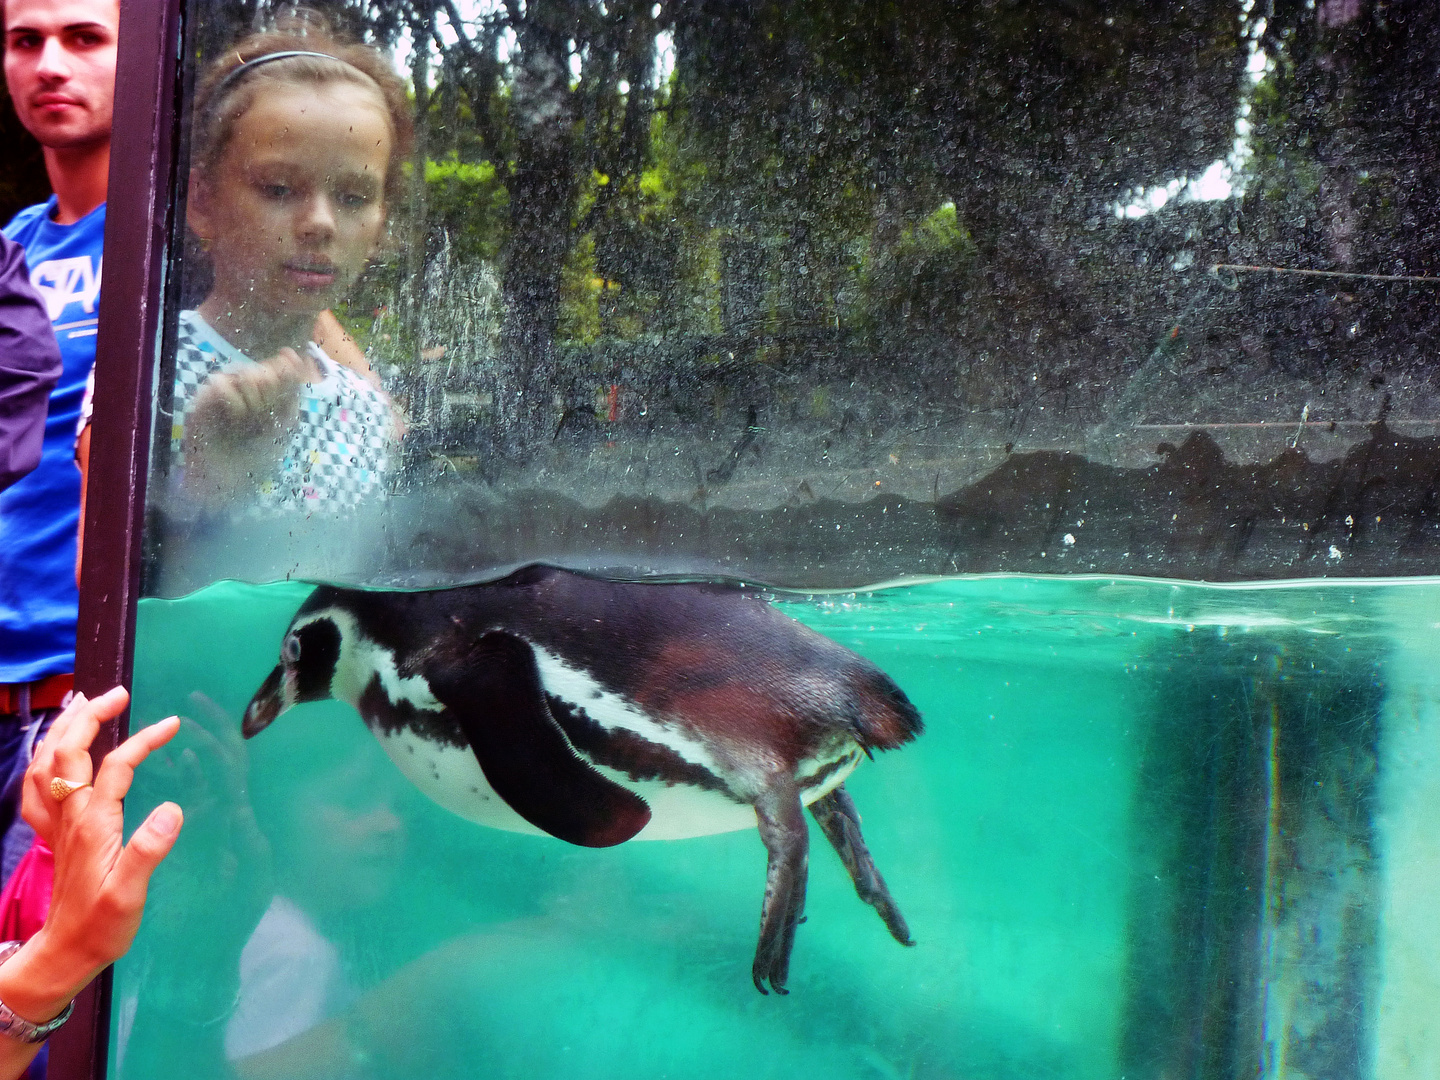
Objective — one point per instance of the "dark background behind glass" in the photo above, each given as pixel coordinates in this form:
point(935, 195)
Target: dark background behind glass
point(848, 290)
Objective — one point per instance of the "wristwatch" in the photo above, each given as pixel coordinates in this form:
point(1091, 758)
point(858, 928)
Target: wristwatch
point(17, 1027)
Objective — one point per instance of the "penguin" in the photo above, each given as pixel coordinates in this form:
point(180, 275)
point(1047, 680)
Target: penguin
point(599, 711)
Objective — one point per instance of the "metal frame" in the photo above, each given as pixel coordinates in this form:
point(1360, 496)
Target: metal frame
point(137, 227)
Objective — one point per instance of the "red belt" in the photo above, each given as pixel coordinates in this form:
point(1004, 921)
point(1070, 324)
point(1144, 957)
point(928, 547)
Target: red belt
point(47, 693)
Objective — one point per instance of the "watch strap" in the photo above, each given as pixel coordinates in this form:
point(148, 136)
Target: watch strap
point(17, 1027)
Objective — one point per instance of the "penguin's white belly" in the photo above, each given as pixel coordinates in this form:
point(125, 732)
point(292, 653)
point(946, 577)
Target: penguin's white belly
point(680, 811)
point(451, 776)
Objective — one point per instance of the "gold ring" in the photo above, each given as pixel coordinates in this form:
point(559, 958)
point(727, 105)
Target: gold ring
point(63, 789)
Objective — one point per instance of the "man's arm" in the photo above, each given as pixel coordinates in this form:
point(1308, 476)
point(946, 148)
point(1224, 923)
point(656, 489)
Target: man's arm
point(29, 366)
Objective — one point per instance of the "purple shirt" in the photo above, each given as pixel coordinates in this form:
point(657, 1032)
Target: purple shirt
point(29, 366)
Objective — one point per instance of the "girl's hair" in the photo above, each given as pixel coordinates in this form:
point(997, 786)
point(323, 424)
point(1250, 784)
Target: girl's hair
point(221, 101)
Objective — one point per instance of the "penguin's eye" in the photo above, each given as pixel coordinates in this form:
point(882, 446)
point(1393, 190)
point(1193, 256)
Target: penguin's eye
point(290, 651)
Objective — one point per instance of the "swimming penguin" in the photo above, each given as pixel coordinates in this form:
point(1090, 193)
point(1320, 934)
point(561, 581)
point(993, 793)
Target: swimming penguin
point(600, 711)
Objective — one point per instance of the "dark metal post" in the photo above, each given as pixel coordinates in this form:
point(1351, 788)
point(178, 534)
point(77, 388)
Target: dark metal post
point(136, 227)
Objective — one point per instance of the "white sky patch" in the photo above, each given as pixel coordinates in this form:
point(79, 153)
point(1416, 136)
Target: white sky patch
point(1213, 183)
point(1225, 177)
point(404, 53)
point(472, 11)
point(664, 56)
point(447, 32)
point(1258, 65)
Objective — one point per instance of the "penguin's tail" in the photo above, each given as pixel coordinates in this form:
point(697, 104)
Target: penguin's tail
point(884, 718)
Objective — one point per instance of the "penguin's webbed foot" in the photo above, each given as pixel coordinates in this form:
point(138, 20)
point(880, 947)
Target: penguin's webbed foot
point(837, 816)
point(782, 828)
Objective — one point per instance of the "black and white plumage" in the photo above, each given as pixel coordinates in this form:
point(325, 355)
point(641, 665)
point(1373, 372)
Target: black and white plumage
point(600, 711)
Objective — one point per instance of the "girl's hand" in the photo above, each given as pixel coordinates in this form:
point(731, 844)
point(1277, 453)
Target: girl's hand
point(237, 429)
point(246, 401)
point(100, 882)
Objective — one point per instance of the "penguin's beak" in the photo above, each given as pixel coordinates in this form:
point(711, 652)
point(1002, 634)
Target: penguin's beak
point(265, 706)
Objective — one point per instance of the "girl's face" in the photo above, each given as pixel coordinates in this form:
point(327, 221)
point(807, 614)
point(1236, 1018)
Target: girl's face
point(294, 207)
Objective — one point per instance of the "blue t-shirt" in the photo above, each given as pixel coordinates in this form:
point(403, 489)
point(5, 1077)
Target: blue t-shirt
point(39, 516)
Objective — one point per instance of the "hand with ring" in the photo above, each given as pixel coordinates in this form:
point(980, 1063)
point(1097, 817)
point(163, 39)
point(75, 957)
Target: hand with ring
point(100, 881)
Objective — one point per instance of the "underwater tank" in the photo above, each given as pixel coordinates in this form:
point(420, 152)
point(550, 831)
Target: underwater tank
point(1065, 368)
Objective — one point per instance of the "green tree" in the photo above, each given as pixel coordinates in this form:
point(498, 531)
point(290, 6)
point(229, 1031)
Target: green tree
point(548, 130)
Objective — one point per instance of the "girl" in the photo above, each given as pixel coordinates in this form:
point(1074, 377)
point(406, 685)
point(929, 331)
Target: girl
point(297, 148)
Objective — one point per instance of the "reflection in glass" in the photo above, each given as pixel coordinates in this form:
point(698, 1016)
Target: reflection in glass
point(820, 295)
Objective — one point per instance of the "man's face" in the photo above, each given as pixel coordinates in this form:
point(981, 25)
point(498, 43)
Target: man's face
point(60, 67)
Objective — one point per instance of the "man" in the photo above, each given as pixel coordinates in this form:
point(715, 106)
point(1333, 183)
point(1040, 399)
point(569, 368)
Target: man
point(60, 68)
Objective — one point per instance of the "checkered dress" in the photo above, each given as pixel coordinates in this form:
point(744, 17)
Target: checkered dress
point(339, 449)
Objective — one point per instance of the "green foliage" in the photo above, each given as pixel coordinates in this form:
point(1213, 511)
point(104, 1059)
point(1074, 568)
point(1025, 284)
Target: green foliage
point(832, 178)
point(469, 202)
point(363, 326)
point(653, 251)
point(940, 233)
point(915, 282)
point(785, 181)
point(580, 292)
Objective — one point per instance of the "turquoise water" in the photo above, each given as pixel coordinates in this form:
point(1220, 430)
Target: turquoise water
point(1145, 822)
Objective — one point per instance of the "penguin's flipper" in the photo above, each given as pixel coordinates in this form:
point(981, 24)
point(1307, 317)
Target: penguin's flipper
point(782, 828)
point(837, 815)
point(492, 687)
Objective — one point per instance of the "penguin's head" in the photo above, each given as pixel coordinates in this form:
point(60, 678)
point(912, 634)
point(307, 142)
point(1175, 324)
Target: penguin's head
point(309, 656)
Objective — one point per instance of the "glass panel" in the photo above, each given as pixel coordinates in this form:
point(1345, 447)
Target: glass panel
point(857, 304)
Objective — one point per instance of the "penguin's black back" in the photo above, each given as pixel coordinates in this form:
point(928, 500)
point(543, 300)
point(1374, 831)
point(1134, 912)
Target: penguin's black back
point(714, 653)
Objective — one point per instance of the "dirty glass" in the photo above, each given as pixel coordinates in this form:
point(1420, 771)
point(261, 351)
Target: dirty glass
point(1069, 362)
